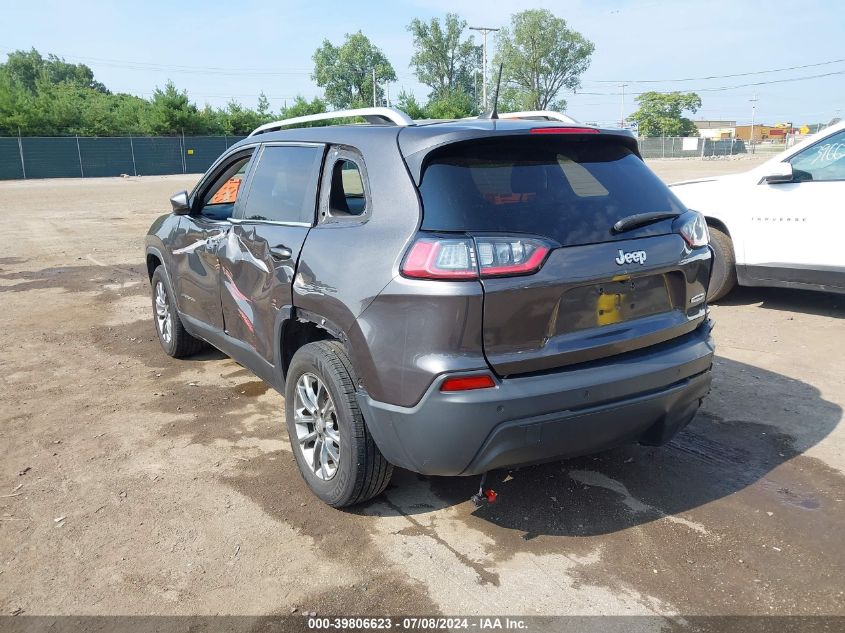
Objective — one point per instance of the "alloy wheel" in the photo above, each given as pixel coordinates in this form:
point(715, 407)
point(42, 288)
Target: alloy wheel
point(317, 430)
point(162, 310)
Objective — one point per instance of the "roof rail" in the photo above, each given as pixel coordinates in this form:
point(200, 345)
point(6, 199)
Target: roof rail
point(549, 115)
point(371, 115)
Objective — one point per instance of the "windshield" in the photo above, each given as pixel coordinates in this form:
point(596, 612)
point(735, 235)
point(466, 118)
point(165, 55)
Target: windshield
point(572, 191)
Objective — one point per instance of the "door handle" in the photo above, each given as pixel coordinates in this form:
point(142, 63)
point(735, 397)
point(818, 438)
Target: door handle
point(280, 251)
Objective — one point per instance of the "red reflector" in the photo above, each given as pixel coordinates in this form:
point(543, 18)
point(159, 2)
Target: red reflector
point(467, 383)
point(563, 130)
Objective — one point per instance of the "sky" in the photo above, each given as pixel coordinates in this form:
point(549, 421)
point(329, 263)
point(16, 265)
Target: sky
point(219, 51)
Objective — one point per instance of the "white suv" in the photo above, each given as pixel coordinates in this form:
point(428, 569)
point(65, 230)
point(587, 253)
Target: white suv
point(778, 224)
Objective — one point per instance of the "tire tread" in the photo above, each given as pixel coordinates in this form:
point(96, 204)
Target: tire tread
point(374, 471)
point(725, 246)
point(184, 344)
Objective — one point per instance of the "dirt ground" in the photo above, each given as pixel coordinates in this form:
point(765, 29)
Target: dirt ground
point(131, 483)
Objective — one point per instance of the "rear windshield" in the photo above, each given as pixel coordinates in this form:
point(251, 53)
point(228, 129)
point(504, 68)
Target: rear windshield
point(569, 190)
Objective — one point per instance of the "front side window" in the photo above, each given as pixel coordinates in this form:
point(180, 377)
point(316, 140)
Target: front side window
point(284, 185)
point(823, 161)
point(218, 201)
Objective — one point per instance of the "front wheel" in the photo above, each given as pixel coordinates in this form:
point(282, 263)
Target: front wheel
point(174, 339)
point(334, 451)
point(723, 278)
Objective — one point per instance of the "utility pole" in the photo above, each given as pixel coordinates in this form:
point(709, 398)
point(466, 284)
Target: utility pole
point(374, 88)
point(753, 101)
point(484, 31)
point(387, 94)
point(622, 109)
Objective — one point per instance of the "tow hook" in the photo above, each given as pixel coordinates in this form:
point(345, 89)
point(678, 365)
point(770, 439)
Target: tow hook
point(484, 496)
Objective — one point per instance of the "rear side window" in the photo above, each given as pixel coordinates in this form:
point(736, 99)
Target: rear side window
point(284, 184)
point(571, 191)
point(347, 191)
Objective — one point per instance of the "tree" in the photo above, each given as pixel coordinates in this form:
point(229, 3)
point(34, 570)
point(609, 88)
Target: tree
point(48, 97)
point(660, 113)
point(29, 67)
point(453, 104)
point(443, 60)
point(238, 121)
point(302, 107)
point(541, 56)
point(408, 103)
point(103, 114)
point(346, 71)
point(173, 113)
point(25, 68)
point(263, 107)
point(16, 105)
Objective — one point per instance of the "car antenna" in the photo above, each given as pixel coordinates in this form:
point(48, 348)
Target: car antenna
point(494, 113)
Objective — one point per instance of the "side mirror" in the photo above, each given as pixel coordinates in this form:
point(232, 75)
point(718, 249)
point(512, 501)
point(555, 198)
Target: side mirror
point(180, 203)
point(779, 172)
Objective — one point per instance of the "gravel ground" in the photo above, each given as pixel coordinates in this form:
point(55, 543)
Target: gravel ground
point(131, 483)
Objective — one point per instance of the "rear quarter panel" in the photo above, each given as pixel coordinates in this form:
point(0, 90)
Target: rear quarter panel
point(344, 266)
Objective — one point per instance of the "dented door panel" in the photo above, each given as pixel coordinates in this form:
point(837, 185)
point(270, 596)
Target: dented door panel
point(258, 262)
point(196, 268)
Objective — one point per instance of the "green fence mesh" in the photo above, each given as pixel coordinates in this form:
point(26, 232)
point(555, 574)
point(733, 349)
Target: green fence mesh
point(104, 156)
point(10, 159)
point(89, 157)
point(51, 157)
point(156, 155)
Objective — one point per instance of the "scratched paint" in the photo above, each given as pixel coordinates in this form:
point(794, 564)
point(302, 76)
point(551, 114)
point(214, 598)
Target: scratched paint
point(235, 251)
point(244, 305)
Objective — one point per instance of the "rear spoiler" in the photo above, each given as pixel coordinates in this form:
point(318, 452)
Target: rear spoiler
point(416, 146)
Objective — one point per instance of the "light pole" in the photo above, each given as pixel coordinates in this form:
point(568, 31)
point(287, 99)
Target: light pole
point(753, 112)
point(622, 109)
point(484, 31)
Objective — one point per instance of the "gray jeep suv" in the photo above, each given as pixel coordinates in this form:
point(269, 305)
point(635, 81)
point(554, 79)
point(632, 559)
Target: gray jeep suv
point(448, 297)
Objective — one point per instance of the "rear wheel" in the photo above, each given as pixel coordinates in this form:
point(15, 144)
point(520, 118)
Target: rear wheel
point(174, 339)
point(334, 451)
point(723, 278)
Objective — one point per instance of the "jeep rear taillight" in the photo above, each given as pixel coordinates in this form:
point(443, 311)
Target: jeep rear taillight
point(432, 258)
point(470, 258)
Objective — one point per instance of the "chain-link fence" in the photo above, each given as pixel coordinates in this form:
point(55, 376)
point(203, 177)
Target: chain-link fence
point(89, 157)
point(689, 147)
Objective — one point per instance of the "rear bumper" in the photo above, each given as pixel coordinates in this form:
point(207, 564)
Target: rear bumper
point(645, 396)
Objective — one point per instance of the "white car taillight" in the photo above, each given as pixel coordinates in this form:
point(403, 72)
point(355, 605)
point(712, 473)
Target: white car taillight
point(470, 258)
point(693, 228)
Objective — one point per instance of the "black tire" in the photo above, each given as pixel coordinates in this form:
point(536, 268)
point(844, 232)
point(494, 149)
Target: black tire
point(181, 344)
point(361, 472)
point(723, 279)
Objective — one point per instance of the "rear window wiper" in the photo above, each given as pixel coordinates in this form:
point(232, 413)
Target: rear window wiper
point(641, 219)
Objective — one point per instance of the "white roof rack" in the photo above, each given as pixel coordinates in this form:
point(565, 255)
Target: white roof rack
point(549, 115)
point(371, 115)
